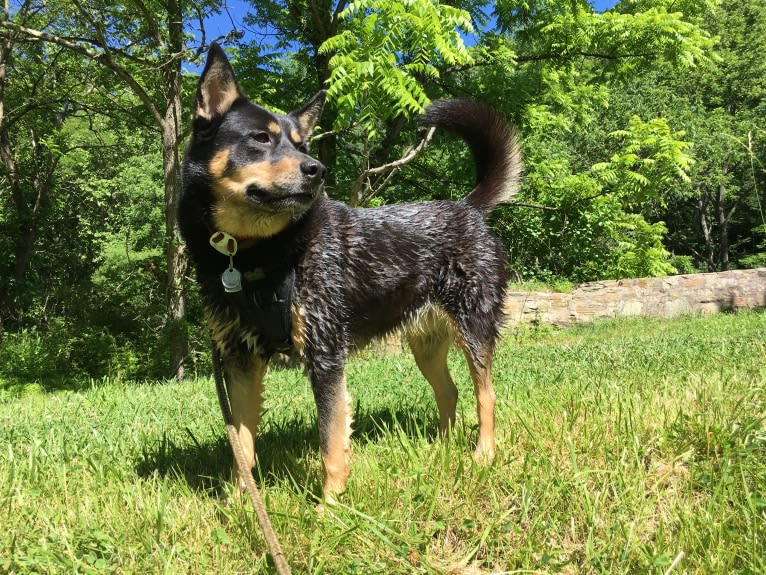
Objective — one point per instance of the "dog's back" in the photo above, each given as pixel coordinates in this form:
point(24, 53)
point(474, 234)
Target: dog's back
point(393, 261)
point(386, 264)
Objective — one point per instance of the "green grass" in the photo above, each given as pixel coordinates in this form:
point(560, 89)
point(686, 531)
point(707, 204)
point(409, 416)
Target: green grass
point(560, 286)
point(620, 446)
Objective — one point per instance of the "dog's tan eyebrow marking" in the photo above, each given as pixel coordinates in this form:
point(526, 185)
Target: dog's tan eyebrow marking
point(218, 163)
point(295, 137)
point(275, 128)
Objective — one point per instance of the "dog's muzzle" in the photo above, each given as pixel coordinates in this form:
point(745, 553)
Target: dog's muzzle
point(307, 186)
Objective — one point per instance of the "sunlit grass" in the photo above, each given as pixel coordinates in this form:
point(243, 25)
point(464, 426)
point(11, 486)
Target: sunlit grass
point(620, 446)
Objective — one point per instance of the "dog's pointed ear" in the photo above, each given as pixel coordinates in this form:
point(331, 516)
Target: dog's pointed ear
point(307, 116)
point(217, 89)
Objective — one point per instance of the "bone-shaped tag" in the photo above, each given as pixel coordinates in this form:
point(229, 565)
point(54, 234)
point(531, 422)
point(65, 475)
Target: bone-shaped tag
point(224, 243)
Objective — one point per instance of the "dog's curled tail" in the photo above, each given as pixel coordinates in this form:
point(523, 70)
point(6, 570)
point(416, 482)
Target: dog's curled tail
point(493, 143)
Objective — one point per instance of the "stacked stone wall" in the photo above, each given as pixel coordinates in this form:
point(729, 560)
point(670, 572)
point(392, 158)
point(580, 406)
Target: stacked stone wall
point(653, 297)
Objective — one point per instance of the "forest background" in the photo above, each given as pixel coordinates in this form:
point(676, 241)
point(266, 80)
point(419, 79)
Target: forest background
point(642, 127)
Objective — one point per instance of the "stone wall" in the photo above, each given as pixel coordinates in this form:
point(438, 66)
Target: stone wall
point(656, 297)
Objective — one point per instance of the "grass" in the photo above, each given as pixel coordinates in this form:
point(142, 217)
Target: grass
point(620, 446)
point(559, 286)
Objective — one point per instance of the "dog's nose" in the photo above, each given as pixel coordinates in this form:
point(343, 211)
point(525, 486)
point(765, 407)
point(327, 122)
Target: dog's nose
point(313, 169)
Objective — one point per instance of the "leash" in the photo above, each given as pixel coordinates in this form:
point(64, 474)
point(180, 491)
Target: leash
point(275, 550)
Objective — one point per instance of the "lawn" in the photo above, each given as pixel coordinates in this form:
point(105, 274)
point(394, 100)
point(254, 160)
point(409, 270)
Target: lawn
point(624, 447)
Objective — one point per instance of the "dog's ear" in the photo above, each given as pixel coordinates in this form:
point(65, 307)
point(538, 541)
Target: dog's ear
point(307, 116)
point(217, 89)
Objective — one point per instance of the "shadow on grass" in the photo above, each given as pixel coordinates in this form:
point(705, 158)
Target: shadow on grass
point(286, 450)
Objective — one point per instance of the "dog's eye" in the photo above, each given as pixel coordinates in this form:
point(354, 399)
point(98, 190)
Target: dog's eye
point(261, 137)
point(302, 148)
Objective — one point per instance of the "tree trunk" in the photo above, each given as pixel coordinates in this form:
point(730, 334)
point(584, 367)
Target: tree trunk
point(327, 148)
point(174, 255)
point(707, 232)
point(5, 52)
point(174, 252)
point(723, 228)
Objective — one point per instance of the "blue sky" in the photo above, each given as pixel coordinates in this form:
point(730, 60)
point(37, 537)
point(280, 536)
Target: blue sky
point(221, 24)
point(601, 5)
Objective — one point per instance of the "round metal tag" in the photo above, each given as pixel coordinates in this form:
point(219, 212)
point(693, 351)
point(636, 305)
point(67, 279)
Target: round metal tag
point(231, 280)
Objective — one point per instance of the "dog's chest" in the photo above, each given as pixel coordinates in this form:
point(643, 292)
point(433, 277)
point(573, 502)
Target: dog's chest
point(258, 316)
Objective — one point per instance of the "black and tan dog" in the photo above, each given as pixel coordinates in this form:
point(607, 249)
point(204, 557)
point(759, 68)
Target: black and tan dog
point(306, 273)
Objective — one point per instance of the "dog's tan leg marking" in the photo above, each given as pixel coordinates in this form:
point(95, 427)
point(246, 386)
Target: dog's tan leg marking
point(245, 385)
point(485, 406)
point(336, 451)
point(431, 358)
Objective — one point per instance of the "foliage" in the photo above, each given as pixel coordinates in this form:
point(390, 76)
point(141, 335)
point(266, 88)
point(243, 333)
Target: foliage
point(650, 159)
point(625, 40)
point(390, 49)
point(642, 137)
point(582, 223)
point(719, 105)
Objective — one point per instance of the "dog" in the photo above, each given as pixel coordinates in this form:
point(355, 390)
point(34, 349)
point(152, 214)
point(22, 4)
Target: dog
point(312, 276)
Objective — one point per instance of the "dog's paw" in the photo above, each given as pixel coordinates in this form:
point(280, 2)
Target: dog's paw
point(325, 507)
point(484, 454)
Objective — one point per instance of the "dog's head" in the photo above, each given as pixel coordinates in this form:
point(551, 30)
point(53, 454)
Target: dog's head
point(256, 162)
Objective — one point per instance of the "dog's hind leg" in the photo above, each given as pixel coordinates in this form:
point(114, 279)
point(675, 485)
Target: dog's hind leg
point(334, 415)
point(244, 378)
point(430, 351)
point(478, 344)
point(481, 374)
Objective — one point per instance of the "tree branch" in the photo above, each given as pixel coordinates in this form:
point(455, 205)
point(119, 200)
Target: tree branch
point(533, 206)
point(359, 183)
point(317, 19)
point(152, 23)
point(104, 58)
point(568, 54)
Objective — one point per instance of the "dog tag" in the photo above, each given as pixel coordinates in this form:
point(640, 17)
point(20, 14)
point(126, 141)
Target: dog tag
point(224, 243)
point(231, 280)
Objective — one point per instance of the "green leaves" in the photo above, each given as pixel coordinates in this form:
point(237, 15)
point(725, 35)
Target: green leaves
point(650, 158)
point(389, 51)
point(624, 40)
point(587, 223)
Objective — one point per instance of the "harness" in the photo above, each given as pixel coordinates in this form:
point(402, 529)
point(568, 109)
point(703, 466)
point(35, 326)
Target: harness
point(262, 296)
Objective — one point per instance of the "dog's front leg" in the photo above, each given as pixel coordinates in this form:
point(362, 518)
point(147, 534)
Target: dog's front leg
point(334, 415)
point(244, 377)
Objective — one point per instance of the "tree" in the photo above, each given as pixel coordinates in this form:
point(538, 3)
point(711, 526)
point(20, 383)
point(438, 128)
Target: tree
point(32, 111)
point(732, 94)
point(717, 220)
point(550, 65)
point(143, 44)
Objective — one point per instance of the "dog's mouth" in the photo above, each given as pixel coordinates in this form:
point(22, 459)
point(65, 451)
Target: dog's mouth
point(281, 200)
